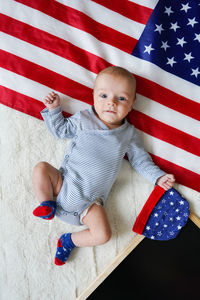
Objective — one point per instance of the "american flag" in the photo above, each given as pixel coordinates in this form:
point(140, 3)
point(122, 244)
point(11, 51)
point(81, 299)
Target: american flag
point(61, 45)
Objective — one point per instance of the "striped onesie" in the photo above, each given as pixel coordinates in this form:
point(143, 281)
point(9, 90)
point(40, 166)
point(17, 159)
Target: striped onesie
point(93, 159)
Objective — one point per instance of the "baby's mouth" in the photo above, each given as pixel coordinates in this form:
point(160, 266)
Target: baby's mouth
point(110, 111)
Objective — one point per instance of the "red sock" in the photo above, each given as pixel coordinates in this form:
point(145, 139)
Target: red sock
point(46, 210)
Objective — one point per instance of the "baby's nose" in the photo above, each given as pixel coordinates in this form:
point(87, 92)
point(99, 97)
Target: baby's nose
point(112, 101)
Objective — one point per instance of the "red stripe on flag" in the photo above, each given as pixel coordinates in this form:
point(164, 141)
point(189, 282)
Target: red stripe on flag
point(165, 132)
point(83, 22)
point(45, 76)
point(168, 98)
point(128, 9)
point(182, 175)
point(21, 102)
point(52, 43)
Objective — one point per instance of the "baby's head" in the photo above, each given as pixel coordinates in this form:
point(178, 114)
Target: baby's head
point(114, 95)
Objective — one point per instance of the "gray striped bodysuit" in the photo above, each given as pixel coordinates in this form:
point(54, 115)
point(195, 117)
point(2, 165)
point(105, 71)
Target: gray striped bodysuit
point(93, 159)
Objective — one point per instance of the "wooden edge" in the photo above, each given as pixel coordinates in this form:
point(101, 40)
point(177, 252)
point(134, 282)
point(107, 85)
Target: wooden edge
point(194, 219)
point(106, 272)
point(119, 258)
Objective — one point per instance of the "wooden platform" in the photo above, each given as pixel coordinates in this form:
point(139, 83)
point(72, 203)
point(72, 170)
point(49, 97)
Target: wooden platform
point(149, 255)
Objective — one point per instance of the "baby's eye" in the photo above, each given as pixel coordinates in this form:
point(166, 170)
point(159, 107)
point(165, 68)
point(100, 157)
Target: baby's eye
point(103, 96)
point(121, 98)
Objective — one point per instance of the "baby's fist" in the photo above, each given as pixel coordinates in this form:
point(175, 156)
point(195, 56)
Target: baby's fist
point(52, 100)
point(166, 181)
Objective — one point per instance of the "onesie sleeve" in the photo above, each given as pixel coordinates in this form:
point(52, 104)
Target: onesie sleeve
point(59, 126)
point(141, 161)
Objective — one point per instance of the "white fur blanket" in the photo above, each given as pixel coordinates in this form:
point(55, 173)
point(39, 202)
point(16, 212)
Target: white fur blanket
point(28, 244)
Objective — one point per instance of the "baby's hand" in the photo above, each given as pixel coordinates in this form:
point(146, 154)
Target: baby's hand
point(166, 181)
point(52, 100)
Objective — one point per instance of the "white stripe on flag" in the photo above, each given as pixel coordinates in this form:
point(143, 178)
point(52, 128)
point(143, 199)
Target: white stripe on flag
point(107, 17)
point(47, 59)
point(37, 91)
point(147, 3)
point(168, 116)
point(170, 153)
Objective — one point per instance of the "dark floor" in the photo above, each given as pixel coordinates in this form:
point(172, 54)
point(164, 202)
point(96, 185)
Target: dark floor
point(157, 270)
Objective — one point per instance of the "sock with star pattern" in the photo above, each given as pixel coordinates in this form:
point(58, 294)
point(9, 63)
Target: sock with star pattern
point(64, 248)
point(46, 210)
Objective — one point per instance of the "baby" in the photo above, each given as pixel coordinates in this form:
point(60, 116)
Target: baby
point(76, 193)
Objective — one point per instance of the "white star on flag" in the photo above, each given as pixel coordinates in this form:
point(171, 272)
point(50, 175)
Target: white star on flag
point(192, 22)
point(181, 202)
point(171, 61)
point(178, 218)
point(148, 49)
point(195, 72)
point(188, 56)
point(165, 45)
point(168, 10)
point(174, 26)
point(197, 37)
point(181, 42)
point(159, 28)
point(185, 7)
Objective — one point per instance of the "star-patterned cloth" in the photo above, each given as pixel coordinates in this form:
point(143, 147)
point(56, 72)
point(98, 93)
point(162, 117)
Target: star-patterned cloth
point(171, 39)
point(164, 220)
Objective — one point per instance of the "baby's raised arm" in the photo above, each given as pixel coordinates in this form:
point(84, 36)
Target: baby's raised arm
point(52, 100)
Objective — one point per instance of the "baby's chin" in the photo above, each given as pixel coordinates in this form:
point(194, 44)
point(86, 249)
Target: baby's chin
point(112, 123)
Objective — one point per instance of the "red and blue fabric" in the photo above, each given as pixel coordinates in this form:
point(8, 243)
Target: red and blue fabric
point(65, 246)
point(46, 210)
point(163, 215)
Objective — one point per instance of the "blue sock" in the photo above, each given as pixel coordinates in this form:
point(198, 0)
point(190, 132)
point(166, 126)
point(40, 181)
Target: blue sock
point(64, 248)
point(46, 210)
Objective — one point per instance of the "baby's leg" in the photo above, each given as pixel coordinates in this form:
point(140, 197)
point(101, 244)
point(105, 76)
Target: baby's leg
point(98, 232)
point(47, 182)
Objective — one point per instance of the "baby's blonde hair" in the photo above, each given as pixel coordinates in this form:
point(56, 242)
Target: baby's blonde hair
point(118, 71)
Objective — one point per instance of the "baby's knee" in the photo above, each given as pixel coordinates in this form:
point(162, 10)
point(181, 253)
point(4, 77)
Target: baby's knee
point(104, 236)
point(40, 167)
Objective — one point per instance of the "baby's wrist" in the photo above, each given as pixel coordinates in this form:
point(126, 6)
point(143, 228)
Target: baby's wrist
point(52, 107)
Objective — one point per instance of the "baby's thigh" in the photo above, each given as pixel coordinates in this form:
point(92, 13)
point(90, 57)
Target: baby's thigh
point(55, 177)
point(56, 180)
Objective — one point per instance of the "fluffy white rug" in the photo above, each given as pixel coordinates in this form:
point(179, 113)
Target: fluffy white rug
point(28, 244)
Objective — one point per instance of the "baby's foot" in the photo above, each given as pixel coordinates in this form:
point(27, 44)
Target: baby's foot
point(64, 248)
point(46, 210)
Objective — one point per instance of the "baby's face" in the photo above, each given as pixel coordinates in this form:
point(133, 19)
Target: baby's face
point(114, 97)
